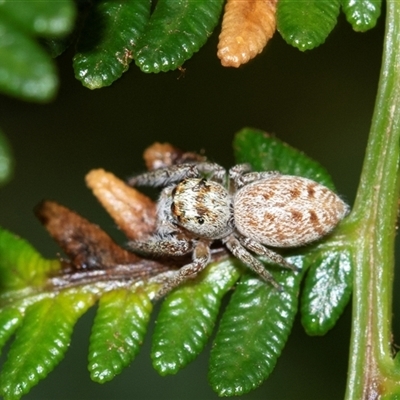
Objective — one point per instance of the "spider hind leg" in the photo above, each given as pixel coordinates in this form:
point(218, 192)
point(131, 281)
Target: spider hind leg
point(240, 252)
point(271, 255)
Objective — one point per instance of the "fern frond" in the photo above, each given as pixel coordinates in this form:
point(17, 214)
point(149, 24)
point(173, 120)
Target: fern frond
point(118, 331)
point(176, 30)
point(26, 70)
point(246, 28)
point(42, 299)
point(114, 32)
point(306, 24)
point(362, 14)
point(188, 316)
point(106, 45)
point(244, 353)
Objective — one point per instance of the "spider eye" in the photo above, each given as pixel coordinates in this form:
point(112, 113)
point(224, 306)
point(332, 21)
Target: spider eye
point(200, 220)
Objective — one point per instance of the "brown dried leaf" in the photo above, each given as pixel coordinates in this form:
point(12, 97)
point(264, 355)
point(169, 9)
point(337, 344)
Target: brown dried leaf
point(131, 210)
point(87, 246)
point(162, 155)
point(93, 255)
point(246, 28)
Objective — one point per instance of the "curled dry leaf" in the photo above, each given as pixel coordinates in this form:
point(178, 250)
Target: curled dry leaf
point(162, 155)
point(92, 254)
point(84, 243)
point(246, 28)
point(131, 210)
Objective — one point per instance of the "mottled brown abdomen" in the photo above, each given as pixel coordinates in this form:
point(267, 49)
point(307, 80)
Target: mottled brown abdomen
point(287, 211)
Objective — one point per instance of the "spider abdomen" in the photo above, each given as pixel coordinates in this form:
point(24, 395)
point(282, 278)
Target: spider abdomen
point(287, 211)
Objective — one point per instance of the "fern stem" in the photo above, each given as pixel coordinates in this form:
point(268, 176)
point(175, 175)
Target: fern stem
point(372, 372)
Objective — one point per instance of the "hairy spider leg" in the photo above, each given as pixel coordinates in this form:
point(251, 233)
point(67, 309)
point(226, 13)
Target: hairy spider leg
point(176, 173)
point(245, 257)
point(234, 173)
point(165, 176)
point(166, 224)
point(166, 245)
point(201, 258)
point(214, 171)
point(258, 248)
point(241, 175)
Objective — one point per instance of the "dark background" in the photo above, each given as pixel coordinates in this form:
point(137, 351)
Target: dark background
point(320, 101)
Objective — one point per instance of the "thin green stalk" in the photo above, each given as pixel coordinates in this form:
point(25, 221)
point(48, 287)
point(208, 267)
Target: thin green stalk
point(372, 373)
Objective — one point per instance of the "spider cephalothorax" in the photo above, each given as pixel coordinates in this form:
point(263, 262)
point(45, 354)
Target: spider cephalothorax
point(246, 211)
point(203, 207)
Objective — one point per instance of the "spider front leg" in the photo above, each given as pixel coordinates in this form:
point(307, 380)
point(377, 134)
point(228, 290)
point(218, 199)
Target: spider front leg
point(245, 257)
point(166, 245)
point(201, 258)
point(214, 171)
point(176, 173)
point(165, 176)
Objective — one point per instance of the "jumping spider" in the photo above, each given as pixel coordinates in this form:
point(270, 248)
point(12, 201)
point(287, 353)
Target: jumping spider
point(245, 210)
